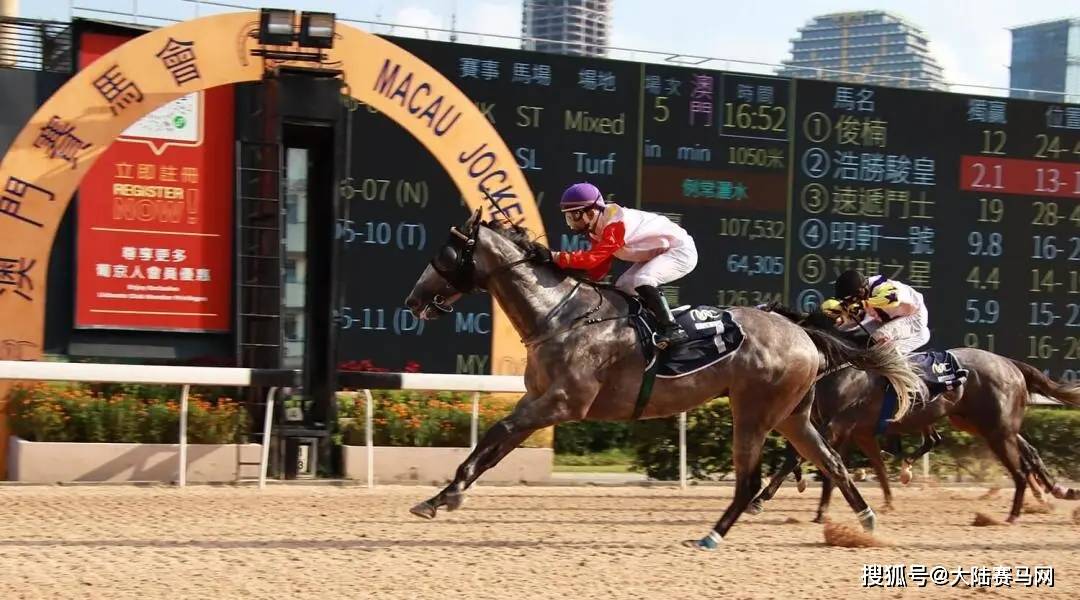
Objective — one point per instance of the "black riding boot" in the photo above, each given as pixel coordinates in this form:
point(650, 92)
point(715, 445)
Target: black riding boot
point(668, 331)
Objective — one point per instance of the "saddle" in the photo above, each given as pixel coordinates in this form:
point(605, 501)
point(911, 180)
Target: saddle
point(713, 336)
point(940, 370)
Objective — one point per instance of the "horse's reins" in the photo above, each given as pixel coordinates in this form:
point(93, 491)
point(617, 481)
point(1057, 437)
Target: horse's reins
point(577, 322)
point(465, 260)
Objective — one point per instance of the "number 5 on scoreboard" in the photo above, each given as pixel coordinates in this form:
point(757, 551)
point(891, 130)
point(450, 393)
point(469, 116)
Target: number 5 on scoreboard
point(661, 107)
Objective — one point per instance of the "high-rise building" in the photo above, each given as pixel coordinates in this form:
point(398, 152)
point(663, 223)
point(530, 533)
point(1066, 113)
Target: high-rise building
point(1046, 56)
point(576, 27)
point(861, 44)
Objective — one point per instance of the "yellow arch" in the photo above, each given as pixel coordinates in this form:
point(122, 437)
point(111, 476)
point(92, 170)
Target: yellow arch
point(35, 188)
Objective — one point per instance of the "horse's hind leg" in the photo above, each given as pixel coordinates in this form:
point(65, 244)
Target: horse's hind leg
point(836, 436)
point(810, 444)
point(791, 464)
point(869, 446)
point(1008, 452)
point(827, 484)
point(1037, 468)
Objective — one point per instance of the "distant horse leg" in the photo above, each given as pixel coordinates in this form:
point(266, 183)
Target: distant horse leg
point(931, 438)
point(1037, 468)
point(800, 483)
point(747, 442)
point(827, 484)
point(869, 446)
point(810, 444)
point(791, 464)
point(498, 441)
point(1008, 452)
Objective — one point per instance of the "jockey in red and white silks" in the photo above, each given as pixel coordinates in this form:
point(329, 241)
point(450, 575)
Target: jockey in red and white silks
point(661, 251)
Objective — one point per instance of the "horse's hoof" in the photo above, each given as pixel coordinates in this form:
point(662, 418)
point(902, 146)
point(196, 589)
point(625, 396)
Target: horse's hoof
point(424, 510)
point(801, 486)
point(888, 508)
point(820, 519)
point(755, 508)
point(454, 501)
point(905, 474)
point(868, 520)
point(709, 542)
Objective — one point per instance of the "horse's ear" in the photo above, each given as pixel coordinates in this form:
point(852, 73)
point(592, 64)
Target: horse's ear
point(474, 221)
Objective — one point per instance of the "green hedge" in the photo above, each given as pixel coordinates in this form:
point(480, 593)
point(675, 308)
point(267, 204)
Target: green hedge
point(708, 444)
point(591, 437)
point(1053, 431)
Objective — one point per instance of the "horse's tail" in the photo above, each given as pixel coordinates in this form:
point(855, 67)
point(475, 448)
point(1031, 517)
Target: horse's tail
point(1039, 383)
point(1035, 464)
point(882, 359)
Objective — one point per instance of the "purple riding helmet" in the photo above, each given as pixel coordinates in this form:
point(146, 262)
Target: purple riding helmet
point(581, 195)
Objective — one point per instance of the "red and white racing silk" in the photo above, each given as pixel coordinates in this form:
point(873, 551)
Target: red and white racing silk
point(666, 250)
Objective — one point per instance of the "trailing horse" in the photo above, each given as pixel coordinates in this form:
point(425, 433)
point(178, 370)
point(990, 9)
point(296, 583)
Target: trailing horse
point(989, 404)
point(586, 361)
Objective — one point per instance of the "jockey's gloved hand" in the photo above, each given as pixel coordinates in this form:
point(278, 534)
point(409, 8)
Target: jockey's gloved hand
point(832, 308)
point(542, 254)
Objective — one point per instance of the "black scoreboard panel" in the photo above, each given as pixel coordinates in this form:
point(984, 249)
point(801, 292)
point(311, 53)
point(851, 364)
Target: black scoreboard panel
point(975, 201)
point(715, 159)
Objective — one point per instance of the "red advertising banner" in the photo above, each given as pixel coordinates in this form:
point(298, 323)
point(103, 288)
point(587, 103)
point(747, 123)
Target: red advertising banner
point(155, 217)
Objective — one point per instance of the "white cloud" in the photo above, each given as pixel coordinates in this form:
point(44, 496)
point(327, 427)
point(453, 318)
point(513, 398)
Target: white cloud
point(416, 17)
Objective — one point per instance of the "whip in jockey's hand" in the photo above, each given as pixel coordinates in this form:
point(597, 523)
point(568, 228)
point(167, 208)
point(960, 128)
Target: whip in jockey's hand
point(661, 250)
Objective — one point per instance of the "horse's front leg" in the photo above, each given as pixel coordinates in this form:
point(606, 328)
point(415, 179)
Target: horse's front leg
point(530, 414)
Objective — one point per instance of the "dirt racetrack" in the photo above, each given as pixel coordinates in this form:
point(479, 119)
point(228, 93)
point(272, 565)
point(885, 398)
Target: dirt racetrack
point(517, 543)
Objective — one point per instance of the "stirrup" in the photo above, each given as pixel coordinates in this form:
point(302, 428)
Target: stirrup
point(658, 343)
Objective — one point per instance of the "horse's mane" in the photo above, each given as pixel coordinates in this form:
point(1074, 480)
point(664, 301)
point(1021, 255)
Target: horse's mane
point(520, 236)
point(815, 319)
point(523, 238)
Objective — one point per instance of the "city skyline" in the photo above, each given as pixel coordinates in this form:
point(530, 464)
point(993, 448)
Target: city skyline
point(971, 39)
point(875, 43)
point(575, 27)
point(1041, 60)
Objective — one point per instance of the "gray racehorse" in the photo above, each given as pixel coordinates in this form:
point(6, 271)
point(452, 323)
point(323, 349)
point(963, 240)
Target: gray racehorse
point(584, 362)
point(989, 405)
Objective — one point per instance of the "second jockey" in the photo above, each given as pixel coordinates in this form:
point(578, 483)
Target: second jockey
point(889, 310)
point(662, 252)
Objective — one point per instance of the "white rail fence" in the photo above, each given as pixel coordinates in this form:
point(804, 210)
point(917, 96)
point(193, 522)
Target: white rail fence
point(162, 375)
point(275, 379)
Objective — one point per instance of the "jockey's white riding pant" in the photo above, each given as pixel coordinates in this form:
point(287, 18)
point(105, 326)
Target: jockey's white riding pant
point(907, 333)
point(673, 264)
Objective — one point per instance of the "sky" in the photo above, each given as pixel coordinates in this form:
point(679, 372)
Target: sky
point(970, 38)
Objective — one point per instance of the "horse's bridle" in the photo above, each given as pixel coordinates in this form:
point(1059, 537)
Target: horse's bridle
point(454, 262)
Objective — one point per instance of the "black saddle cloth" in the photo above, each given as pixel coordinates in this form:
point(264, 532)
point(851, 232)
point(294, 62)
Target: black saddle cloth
point(939, 369)
point(714, 334)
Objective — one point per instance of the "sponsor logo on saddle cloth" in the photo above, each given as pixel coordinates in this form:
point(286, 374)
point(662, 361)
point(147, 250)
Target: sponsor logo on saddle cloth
point(714, 335)
point(940, 370)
